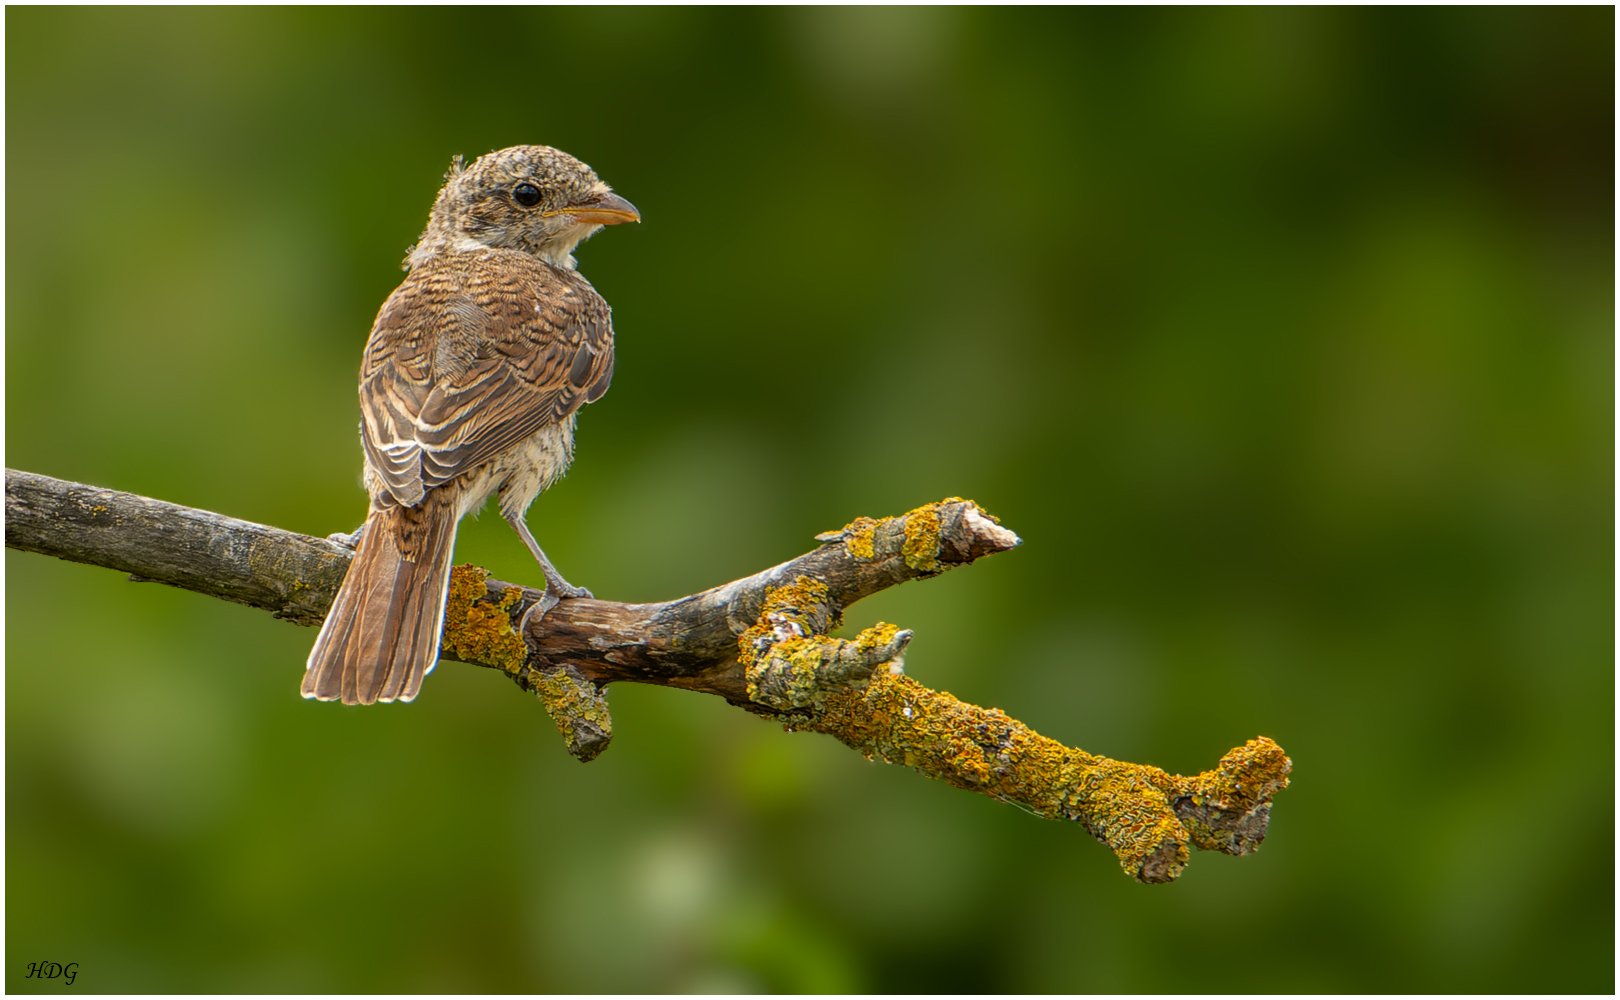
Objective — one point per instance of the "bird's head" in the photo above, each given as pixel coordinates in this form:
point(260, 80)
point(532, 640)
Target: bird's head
point(531, 198)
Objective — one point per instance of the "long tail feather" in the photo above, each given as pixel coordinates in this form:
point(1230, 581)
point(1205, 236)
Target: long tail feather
point(382, 635)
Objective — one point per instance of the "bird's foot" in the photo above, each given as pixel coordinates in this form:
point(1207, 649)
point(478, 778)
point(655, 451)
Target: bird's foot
point(350, 540)
point(557, 590)
point(554, 581)
point(538, 609)
point(563, 589)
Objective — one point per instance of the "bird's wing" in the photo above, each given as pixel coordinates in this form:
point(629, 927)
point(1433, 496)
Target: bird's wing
point(471, 357)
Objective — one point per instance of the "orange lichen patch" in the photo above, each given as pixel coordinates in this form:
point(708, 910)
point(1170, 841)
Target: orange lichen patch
point(481, 631)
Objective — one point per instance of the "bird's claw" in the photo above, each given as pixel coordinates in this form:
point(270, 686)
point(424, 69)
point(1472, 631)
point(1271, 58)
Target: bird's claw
point(348, 539)
point(555, 584)
point(556, 592)
point(538, 609)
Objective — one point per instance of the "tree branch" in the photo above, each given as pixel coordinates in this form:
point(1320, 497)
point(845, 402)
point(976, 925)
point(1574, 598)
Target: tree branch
point(763, 643)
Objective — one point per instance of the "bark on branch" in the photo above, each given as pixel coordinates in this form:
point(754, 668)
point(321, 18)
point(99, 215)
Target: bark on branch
point(763, 643)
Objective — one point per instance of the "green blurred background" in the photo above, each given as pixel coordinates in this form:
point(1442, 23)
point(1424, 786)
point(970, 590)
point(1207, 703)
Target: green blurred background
point(1283, 338)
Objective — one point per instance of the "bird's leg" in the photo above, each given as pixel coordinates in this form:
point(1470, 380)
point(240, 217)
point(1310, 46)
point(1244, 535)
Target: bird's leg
point(554, 579)
point(556, 587)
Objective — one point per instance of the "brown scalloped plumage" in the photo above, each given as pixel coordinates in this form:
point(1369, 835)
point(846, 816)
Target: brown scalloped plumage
point(469, 387)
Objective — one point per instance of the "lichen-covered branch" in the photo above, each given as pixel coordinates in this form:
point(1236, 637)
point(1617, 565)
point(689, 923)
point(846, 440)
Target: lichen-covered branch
point(1146, 816)
point(762, 642)
point(856, 691)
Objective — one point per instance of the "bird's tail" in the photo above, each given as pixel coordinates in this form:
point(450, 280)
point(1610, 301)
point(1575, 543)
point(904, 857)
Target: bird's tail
point(382, 635)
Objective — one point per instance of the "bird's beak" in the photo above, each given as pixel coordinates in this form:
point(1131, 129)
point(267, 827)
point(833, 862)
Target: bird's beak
point(606, 210)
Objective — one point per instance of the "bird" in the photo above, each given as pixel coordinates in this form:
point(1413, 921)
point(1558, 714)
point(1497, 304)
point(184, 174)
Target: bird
point(470, 386)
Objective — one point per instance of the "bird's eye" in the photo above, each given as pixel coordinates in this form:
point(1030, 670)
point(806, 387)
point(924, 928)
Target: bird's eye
point(526, 195)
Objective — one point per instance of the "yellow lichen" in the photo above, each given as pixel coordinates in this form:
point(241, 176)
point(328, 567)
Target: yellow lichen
point(1225, 799)
point(482, 632)
point(898, 720)
point(922, 534)
point(1139, 811)
point(788, 659)
point(794, 665)
point(877, 636)
point(788, 610)
point(859, 535)
point(571, 701)
point(921, 548)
